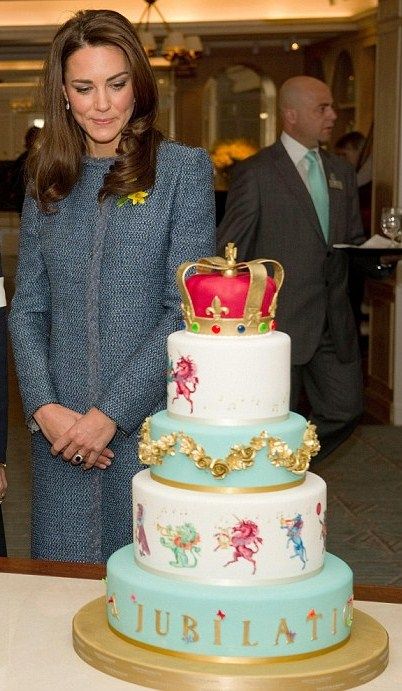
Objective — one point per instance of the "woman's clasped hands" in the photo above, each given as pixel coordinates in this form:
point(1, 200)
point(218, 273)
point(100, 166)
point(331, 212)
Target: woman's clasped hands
point(79, 439)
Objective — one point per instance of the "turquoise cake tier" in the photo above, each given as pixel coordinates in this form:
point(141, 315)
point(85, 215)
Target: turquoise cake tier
point(217, 442)
point(229, 624)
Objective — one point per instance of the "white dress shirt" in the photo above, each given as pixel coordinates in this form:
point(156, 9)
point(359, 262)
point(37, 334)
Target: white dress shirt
point(297, 153)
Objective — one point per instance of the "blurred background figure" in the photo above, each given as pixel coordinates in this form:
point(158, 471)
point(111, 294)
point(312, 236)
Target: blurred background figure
point(350, 146)
point(18, 179)
point(357, 150)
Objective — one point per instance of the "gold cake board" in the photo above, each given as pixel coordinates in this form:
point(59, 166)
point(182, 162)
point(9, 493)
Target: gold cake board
point(362, 658)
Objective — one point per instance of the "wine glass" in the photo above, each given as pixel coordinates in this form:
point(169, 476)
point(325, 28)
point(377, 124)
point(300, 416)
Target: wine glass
point(391, 224)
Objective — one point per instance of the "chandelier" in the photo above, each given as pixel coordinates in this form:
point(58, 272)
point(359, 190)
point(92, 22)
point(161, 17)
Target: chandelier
point(180, 51)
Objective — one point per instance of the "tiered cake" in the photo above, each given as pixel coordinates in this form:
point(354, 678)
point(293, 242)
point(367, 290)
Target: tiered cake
point(229, 561)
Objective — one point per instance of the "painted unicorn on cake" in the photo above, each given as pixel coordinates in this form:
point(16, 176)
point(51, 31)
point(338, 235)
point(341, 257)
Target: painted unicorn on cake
point(245, 539)
point(185, 377)
point(293, 527)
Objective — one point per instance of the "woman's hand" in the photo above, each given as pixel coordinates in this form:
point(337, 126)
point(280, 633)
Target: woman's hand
point(3, 483)
point(55, 420)
point(88, 437)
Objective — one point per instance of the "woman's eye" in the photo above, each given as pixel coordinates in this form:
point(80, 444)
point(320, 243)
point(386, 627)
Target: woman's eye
point(83, 89)
point(118, 85)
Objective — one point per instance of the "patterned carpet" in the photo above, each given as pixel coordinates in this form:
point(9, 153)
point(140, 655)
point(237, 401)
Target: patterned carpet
point(364, 481)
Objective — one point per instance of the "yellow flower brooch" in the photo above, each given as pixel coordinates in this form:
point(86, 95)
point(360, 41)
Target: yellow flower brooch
point(134, 198)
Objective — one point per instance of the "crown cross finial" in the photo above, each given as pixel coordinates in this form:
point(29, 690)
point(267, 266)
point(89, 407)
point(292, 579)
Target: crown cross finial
point(231, 253)
point(216, 310)
point(230, 256)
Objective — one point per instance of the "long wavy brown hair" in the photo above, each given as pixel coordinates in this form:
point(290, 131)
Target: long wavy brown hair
point(54, 163)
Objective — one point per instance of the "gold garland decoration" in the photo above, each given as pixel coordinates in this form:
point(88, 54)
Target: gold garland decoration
point(240, 457)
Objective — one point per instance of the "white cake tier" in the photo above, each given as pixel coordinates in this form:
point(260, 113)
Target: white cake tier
point(229, 379)
point(251, 539)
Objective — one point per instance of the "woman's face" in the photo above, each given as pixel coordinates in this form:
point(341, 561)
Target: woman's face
point(98, 85)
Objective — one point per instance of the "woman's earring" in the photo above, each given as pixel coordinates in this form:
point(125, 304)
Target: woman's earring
point(67, 104)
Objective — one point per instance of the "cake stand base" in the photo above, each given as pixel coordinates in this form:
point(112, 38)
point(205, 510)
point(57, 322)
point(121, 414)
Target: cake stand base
point(362, 658)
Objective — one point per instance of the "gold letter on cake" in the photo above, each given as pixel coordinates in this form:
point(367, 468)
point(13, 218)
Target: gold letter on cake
point(140, 617)
point(284, 629)
point(217, 631)
point(190, 625)
point(334, 620)
point(246, 634)
point(313, 616)
point(158, 628)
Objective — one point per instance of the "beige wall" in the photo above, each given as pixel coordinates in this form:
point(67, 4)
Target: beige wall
point(275, 64)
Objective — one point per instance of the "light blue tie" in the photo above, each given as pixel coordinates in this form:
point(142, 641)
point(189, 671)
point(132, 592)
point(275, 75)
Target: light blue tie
point(318, 190)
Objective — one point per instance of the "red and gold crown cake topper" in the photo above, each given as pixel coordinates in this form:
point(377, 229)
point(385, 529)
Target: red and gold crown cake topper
point(225, 298)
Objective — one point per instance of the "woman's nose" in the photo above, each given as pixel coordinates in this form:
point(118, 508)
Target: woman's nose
point(102, 101)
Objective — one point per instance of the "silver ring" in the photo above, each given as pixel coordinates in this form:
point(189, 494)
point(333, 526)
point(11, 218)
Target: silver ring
point(77, 459)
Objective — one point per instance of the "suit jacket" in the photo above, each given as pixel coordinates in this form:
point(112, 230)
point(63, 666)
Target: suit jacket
point(270, 214)
point(3, 370)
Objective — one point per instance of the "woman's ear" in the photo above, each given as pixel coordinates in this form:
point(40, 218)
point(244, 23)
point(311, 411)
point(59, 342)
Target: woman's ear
point(65, 97)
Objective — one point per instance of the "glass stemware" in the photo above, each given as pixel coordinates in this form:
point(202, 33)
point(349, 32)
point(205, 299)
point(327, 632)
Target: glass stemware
point(391, 224)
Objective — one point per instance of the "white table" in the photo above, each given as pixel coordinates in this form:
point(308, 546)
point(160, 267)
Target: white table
point(36, 652)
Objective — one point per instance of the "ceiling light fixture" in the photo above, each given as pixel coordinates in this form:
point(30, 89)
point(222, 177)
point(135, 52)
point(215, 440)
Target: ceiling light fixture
point(291, 44)
point(181, 51)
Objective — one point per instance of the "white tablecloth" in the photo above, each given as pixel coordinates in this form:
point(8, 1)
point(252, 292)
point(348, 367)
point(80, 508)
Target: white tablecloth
point(36, 652)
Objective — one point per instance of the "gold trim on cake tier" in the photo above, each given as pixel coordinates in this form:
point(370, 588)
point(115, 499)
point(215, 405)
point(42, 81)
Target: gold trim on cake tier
point(240, 457)
point(226, 490)
point(362, 658)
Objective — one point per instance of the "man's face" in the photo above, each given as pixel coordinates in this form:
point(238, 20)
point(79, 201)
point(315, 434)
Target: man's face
point(312, 118)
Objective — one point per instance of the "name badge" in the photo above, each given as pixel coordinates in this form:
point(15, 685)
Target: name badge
point(334, 183)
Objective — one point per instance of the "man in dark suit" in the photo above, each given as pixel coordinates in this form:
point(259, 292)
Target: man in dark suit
point(3, 407)
point(282, 205)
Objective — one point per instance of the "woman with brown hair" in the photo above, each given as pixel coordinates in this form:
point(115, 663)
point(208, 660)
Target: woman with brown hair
point(112, 209)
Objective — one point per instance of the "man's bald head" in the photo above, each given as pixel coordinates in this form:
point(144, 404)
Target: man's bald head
point(296, 89)
point(305, 105)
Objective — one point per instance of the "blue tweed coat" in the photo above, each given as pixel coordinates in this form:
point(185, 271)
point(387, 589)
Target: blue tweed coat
point(3, 395)
point(86, 515)
point(3, 370)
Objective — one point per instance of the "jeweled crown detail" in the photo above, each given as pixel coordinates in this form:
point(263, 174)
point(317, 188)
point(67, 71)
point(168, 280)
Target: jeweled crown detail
point(227, 298)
